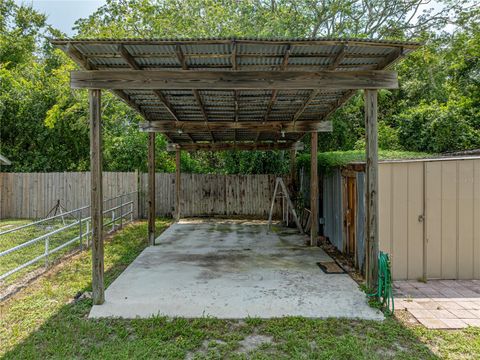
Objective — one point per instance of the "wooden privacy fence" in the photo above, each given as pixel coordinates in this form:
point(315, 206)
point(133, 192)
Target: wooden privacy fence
point(33, 195)
point(206, 194)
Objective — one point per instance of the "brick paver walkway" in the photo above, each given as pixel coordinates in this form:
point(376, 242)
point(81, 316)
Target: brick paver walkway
point(440, 304)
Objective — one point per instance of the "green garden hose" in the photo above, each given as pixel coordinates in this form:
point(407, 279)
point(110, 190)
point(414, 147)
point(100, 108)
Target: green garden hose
point(384, 290)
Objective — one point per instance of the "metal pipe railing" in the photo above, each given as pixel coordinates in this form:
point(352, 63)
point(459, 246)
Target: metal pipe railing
point(46, 237)
point(60, 215)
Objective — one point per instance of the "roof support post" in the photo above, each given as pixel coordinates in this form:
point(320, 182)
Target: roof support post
point(293, 167)
point(151, 188)
point(371, 199)
point(314, 189)
point(96, 196)
point(177, 183)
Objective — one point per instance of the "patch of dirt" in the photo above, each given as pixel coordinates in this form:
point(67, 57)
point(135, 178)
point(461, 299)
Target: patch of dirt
point(253, 342)
point(203, 350)
point(406, 319)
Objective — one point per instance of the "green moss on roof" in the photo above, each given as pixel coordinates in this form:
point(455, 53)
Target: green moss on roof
point(331, 159)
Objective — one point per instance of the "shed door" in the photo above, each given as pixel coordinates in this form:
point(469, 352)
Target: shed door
point(451, 204)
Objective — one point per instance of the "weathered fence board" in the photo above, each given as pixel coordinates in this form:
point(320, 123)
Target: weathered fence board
point(33, 195)
point(207, 194)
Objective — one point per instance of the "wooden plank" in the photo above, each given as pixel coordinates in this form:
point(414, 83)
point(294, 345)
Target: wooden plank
point(338, 59)
point(333, 42)
point(287, 126)
point(151, 188)
point(177, 184)
point(96, 201)
point(237, 146)
point(232, 80)
point(128, 57)
point(314, 189)
point(371, 194)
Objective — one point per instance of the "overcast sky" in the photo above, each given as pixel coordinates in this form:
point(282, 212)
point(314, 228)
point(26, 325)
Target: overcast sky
point(63, 13)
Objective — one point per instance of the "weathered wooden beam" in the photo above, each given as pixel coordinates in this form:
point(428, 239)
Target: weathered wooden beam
point(300, 111)
point(128, 58)
point(293, 167)
point(81, 60)
point(314, 189)
point(151, 188)
point(166, 103)
point(394, 56)
point(338, 59)
point(181, 56)
point(96, 197)
point(273, 98)
point(265, 146)
point(177, 183)
point(233, 80)
point(271, 126)
point(371, 193)
point(199, 100)
point(333, 42)
point(196, 94)
point(234, 55)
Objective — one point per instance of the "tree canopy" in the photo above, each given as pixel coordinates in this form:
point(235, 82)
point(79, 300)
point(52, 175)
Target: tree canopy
point(44, 124)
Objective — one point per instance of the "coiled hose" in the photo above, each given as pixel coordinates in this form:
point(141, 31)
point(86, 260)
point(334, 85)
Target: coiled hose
point(384, 289)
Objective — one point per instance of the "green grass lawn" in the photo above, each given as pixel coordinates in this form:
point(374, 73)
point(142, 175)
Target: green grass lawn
point(44, 322)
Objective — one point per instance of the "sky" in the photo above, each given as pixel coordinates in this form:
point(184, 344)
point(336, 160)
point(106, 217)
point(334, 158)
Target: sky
point(63, 13)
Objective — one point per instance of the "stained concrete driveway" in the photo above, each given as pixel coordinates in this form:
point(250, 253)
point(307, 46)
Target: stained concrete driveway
point(232, 269)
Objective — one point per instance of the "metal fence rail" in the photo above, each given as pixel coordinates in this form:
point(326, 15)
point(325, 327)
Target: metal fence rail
point(120, 213)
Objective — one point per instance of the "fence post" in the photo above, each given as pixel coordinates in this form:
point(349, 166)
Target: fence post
point(47, 244)
point(136, 199)
point(121, 210)
point(113, 220)
point(80, 230)
point(88, 234)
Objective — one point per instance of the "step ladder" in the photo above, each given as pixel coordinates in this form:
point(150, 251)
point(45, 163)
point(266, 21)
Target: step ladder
point(287, 205)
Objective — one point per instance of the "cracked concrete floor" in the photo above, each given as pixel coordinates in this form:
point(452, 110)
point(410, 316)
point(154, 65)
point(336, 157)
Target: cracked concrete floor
point(232, 269)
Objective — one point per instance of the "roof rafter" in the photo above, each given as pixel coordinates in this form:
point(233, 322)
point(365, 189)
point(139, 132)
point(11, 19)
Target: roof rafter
point(134, 65)
point(196, 94)
point(229, 81)
point(338, 59)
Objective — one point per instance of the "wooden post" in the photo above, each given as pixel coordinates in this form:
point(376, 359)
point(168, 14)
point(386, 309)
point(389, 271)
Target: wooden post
point(371, 195)
point(96, 200)
point(314, 189)
point(293, 168)
point(177, 184)
point(151, 188)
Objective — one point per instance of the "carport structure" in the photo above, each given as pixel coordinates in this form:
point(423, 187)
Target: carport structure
point(226, 94)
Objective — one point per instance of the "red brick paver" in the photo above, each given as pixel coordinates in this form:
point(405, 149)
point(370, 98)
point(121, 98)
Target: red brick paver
point(440, 304)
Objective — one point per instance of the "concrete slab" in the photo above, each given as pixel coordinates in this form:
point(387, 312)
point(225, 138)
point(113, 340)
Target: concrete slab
point(232, 269)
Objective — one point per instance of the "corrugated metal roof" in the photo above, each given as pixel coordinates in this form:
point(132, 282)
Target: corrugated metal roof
point(248, 54)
